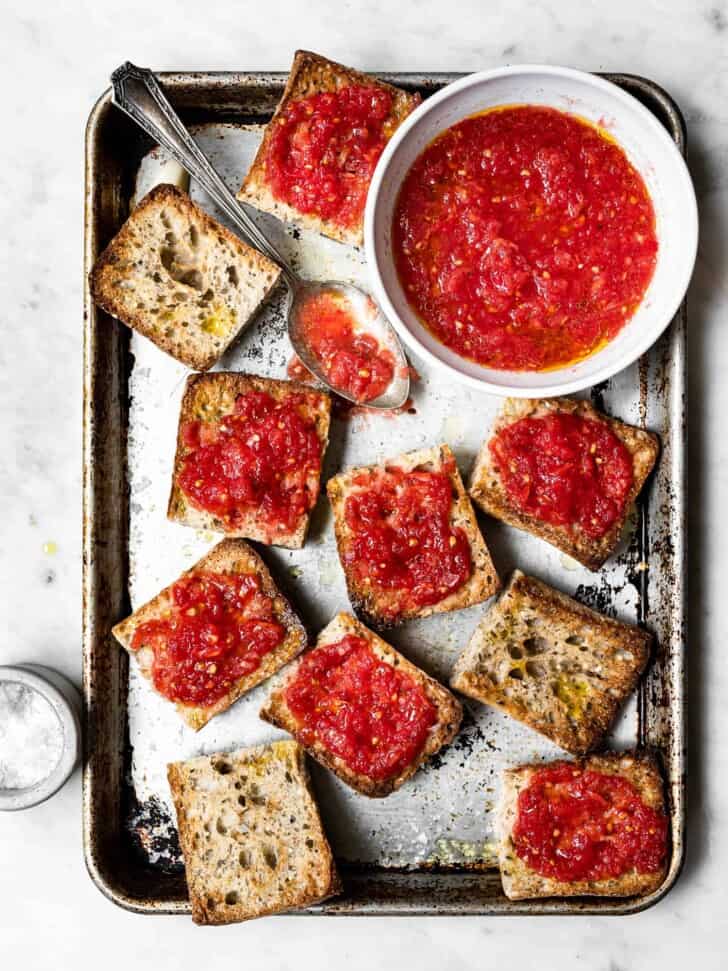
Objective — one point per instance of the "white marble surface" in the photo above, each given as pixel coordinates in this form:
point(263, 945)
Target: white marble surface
point(54, 61)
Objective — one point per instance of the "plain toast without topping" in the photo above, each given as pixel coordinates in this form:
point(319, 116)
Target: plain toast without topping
point(552, 663)
point(251, 835)
point(178, 277)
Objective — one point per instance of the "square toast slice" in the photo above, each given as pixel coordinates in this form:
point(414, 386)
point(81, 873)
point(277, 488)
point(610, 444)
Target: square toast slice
point(521, 882)
point(251, 834)
point(231, 556)
point(487, 490)
point(312, 74)
point(212, 397)
point(449, 711)
point(552, 663)
point(379, 607)
point(178, 277)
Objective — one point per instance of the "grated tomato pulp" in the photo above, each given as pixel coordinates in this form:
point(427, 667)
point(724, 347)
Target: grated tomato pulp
point(402, 537)
point(524, 238)
point(218, 629)
point(261, 460)
point(576, 824)
point(323, 151)
point(565, 470)
point(371, 715)
point(354, 361)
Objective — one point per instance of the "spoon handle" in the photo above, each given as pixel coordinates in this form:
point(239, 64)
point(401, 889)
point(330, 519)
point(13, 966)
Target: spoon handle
point(138, 93)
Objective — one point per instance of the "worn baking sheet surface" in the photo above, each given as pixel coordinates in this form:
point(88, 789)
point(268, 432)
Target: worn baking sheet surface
point(445, 814)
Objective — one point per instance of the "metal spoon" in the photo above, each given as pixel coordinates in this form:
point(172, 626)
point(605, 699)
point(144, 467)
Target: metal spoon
point(138, 93)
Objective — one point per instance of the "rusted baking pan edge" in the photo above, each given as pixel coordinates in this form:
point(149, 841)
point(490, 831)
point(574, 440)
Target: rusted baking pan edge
point(113, 149)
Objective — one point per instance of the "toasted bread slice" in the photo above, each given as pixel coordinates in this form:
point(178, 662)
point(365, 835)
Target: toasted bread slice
point(250, 833)
point(520, 882)
point(210, 397)
point(312, 74)
point(231, 556)
point(378, 607)
point(178, 277)
point(449, 711)
point(552, 663)
point(487, 491)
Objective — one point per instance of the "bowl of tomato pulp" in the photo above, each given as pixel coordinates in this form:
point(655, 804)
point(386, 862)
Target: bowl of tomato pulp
point(531, 229)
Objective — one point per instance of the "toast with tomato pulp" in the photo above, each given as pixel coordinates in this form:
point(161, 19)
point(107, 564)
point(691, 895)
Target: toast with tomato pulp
point(321, 146)
point(594, 827)
point(251, 834)
point(408, 539)
point(565, 472)
point(362, 709)
point(249, 454)
point(180, 278)
point(552, 663)
point(219, 630)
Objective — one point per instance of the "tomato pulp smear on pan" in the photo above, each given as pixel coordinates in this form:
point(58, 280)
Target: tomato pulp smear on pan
point(524, 238)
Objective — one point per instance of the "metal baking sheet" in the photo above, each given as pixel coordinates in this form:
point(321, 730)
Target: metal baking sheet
point(429, 847)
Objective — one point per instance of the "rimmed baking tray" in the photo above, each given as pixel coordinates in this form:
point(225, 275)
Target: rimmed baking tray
point(427, 849)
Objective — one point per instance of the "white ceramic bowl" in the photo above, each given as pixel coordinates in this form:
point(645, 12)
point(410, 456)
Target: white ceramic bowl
point(649, 148)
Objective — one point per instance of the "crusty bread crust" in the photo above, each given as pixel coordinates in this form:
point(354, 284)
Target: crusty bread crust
point(229, 556)
point(251, 834)
point(487, 491)
point(209, 397)
point(371, 606)
point(312, 74)
point(134, 280)
point(449, 710)
point(552, 663)
point(520, 882)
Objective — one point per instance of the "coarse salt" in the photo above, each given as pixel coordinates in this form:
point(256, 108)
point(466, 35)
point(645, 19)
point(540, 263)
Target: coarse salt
point(31, 736)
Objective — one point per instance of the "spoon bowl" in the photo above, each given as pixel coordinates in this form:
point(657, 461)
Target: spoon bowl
point(364, 309)
point(138, 93)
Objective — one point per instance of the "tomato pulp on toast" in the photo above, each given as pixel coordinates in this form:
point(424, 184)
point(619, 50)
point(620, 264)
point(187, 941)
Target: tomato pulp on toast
point(402, 537)
point(565, 470)
point(217, 629)
point(324, 148)
point(258, 460)
point(579, 824)
point(374, 717)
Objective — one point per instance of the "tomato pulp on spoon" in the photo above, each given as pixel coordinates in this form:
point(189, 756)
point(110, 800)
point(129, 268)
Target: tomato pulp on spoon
point(353, 360)
point(524, 238)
